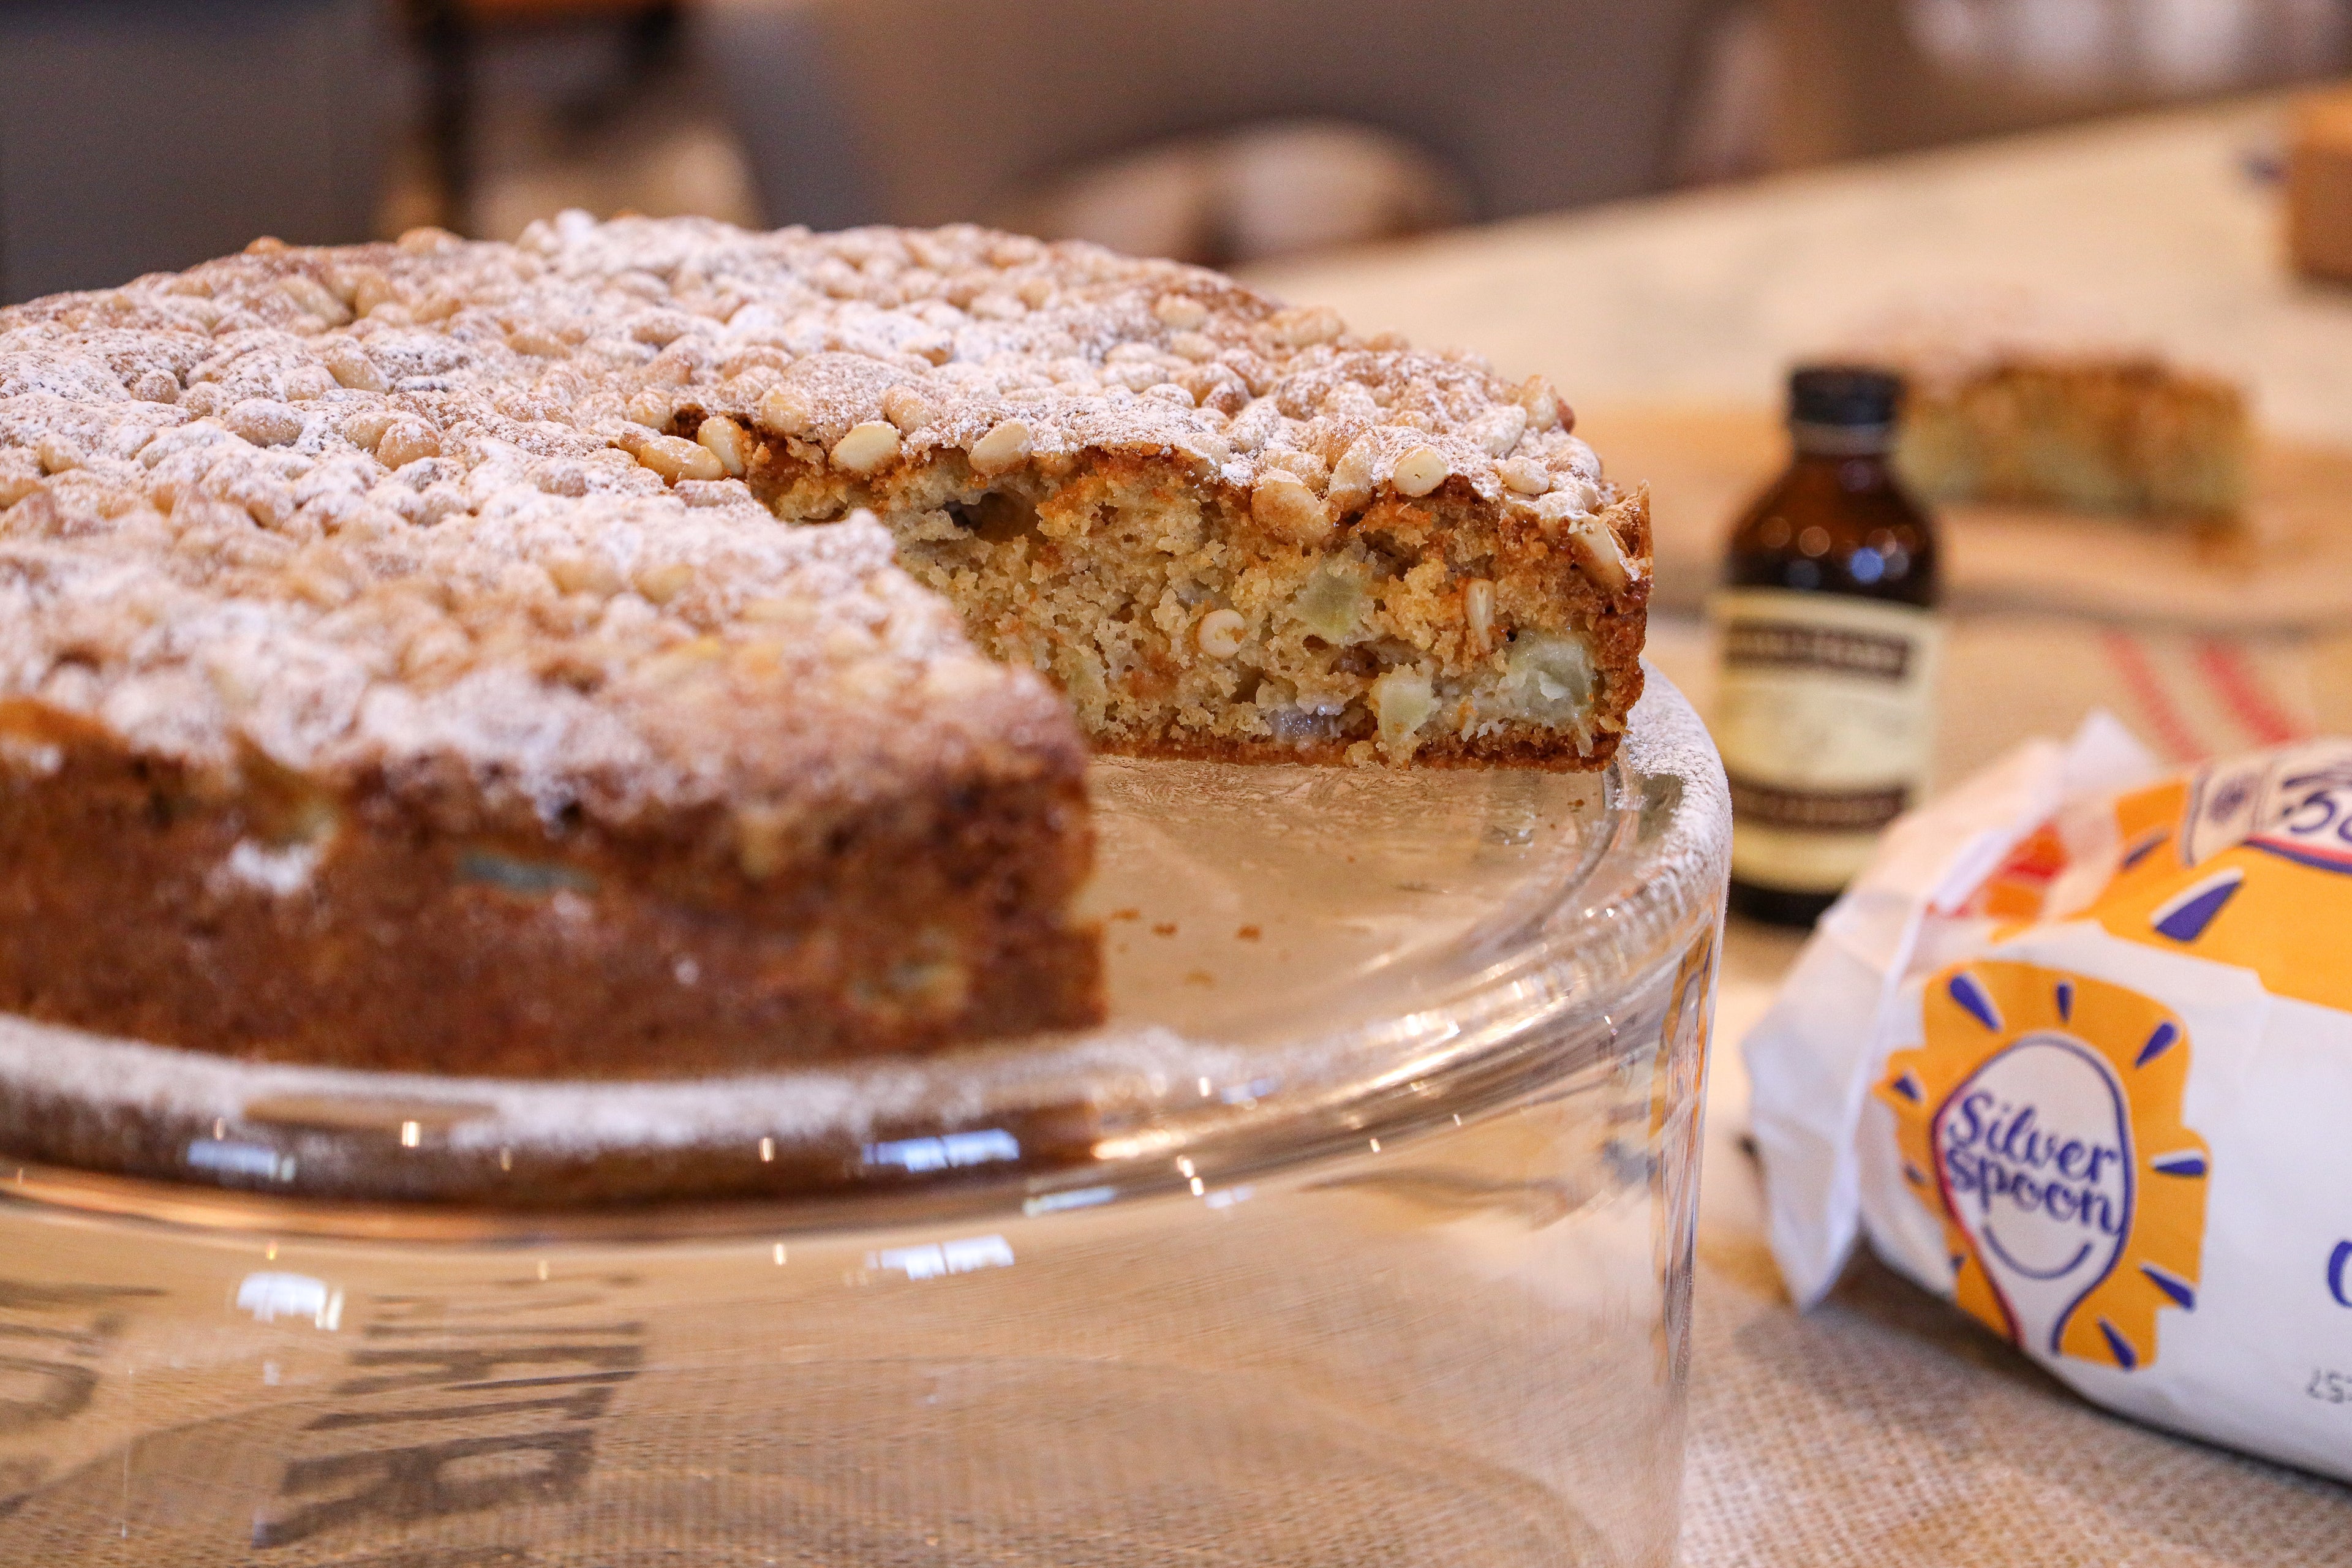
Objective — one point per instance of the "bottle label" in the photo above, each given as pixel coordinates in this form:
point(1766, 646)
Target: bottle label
point(1824, 714)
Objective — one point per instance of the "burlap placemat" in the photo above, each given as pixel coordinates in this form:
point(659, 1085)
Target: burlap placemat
point(1886, 1430)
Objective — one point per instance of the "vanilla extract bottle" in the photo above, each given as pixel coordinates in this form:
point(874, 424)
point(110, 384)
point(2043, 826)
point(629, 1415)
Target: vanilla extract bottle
point(1829, 637)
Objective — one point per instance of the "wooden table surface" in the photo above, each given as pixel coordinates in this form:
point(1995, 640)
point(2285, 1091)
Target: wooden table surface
point(2167, 226)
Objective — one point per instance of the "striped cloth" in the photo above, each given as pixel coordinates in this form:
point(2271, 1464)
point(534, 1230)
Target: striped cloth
point(2188, 694)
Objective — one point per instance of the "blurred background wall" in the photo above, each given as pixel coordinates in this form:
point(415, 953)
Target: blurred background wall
point(138, 134)
point(143, 135)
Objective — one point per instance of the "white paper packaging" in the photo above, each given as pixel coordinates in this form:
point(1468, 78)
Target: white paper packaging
point(2076, 1052)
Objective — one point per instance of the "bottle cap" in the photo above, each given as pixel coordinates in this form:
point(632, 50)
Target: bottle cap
point(1844, 408)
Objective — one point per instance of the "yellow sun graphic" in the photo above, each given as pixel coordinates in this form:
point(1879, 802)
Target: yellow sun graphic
point(2040, 1122)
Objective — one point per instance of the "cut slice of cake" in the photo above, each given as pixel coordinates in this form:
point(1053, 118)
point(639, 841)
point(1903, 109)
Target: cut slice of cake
point(2118, 434)
point(402, 665)
point(2006, 403)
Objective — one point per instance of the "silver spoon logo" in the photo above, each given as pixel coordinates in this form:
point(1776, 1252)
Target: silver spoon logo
point(2039, 1120)
point(2034, 1149)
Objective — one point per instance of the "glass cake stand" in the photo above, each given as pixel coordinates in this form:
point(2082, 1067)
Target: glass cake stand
point(1361, 1234)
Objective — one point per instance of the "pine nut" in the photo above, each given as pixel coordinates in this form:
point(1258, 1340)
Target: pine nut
point(1306, 326)
point(1545, 410)
point(1503, 428)
point(652, 407)
point(1283, 505)
point(907, 409)
point(350, 366)
point(788, 411)
point(673, 457)
point(404, 441)
point(1181, 311)
point(1002, 447)
point(727, 442)
point(265, 421)
point(1221, 633)
point(663, 583)
point(1478, 611)
point(867, 447)
point(1420, 471)
point(1594, 544)
point(1525, 475)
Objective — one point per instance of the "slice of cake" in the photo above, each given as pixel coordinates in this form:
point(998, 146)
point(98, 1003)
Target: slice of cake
point(2008, 404)
point(402, 665)
point(2117, 436)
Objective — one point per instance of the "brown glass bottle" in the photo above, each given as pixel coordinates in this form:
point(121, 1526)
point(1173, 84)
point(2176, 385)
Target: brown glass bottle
point(1828, 646)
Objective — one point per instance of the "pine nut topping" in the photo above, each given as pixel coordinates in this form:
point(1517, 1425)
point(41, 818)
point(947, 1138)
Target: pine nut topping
point(867, 447)
point(1307, 326)
point(672, 458)
point(370, 289)
point(727, 442)
point(265, 423)
point(313, 298)
point(1283, 505)
point(1354, 475)
point(663, 583)
point(1002, 447)
point(1594, 544)
point(367, 427)
point(1545, 410)
point(350, 366)
point(1181, 311)
point(1525, 475)
point(907, 409)
point(1503, 429)
point(404, 441)
point(652, 407)
point(787, 409)
point(1420, 471)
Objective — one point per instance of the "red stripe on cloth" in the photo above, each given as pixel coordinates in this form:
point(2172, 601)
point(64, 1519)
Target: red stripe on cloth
point(2225, 667)
point(2172, 730)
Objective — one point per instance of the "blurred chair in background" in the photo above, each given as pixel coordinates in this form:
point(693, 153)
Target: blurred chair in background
point(1273, 188)
point(1200, 127)
point(453, 37)
point(137, 135)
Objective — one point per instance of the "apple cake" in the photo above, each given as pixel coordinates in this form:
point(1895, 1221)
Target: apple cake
point(420, 656)
point(2130, 436)
point(2012, 402)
